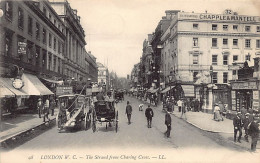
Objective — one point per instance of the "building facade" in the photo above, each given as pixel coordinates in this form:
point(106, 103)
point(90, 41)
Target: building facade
point(75, 58)
point(204, 51)
point(103, 77)
point(32, 40)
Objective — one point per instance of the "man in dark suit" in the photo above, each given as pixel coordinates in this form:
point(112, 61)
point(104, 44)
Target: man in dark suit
point(128, 112)
point(149, 116)
point(237, 122)
point(168, 123)
point(254, 133)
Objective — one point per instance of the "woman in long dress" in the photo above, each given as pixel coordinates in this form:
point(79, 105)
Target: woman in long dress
point(217, 116)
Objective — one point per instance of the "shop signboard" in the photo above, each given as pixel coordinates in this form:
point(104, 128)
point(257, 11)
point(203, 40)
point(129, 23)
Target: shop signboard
point(22, 47)
point(62, 90)
point(255, 95)
point(244, 85)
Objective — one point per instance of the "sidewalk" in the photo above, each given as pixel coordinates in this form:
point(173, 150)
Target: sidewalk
point(205, 122)
point(13, 126)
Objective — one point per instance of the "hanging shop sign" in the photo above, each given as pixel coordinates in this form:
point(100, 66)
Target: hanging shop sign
point(22, 47)
point(18, 83)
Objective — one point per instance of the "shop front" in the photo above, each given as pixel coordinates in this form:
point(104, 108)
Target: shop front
point(245, 94)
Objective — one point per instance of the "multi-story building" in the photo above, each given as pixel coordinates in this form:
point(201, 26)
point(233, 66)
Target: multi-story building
point(74, 58)
point(103, 76)
point(32, 37)
point(32, 40)
point(92, 68)
point(146, 63)
point(203, 51)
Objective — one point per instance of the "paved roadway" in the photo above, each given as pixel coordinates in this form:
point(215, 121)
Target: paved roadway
point(185, 144)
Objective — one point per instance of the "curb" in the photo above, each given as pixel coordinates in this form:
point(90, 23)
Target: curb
point(10, 140)
point(202, 128)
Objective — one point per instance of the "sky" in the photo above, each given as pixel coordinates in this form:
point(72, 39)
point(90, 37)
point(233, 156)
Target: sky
point(115, 29)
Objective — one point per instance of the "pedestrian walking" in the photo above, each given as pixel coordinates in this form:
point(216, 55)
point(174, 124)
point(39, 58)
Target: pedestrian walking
point(149, 116)
point(128, 112)
point(168, 123)
point(183, 111)
point(179, 103)
point(46, 110)
point(245, 125)
point(196, 105)
point(39, 107)
point(217, 115)
point(52, 106)
point(237, 122)
point(254, 133)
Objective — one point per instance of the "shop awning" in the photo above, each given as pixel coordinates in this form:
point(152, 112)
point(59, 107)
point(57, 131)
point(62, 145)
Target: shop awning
point(5, 92)
point(166, 89)
point(7, 82)
point(33, 86)
point(53, 81)
point(188, 90)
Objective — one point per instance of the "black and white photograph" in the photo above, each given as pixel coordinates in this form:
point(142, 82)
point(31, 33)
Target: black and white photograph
point(146, 81)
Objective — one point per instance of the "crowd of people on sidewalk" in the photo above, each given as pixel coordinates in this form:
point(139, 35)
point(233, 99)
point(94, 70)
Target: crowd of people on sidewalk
point(46, 107)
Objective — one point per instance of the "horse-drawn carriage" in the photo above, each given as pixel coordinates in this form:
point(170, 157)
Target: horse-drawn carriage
point(105, 112)
point(74, 112)
point(119, 95)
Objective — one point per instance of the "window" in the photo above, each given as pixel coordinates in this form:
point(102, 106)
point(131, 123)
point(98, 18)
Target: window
point(50, 40)
point(54, 22)
point(234, 72)
point(235, 42)
point(195, 59)
point(247, 28)
point(248, 56)
point(225, 59)
point(44, 11)
point(9, 10)
point(37, 55)
point(8, 44)
point(54, 43)
point(257, 43)
point(30, 23)
point(215, 77)
point(225, 77)
point(37, 31)
point(195, 78)
point(247, 43)
point(195, 42)
point(59, 47)
point(235, 27)
point(214, 27)
point(214, 59)
point(225, 41)
point(44, 36)
point(214, 42)
point(50, 58)
point(225, 27)
point(235, 58)
point(258, 29)
point(50, 16)
point(20, 18)
point(195, 26)
point(54, 64)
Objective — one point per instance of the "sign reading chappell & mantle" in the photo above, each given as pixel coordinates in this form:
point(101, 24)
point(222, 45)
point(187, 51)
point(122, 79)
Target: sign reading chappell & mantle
point(218, 17)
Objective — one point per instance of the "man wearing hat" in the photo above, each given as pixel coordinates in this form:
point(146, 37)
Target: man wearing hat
point(254, 133)
point(128, 112)
point(237, 122)
point(245, 125)
point(149, 116)
point(39, 107)
point(168, 123)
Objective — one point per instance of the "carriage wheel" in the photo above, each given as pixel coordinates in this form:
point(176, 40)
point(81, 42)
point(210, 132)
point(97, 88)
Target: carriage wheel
point(85, 122)
point(116, 121)
point(94, 127)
